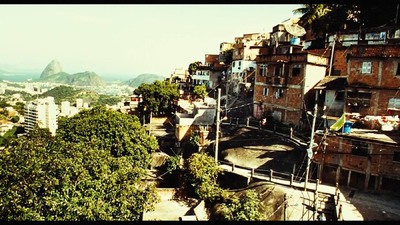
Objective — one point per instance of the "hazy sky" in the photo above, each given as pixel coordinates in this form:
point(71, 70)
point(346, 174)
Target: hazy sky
point(126, 39)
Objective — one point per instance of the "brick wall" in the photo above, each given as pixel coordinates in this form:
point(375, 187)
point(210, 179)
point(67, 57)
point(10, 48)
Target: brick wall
point(339, 151)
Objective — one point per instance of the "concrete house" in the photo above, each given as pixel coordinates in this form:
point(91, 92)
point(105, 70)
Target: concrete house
point(195, 117)
point(243, 61)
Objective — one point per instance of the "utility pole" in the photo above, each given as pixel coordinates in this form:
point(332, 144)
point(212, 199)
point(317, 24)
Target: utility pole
point(151, 115)
point(333, 49)
point(309, 151)
point(284, 206)
point(218, 123)
point(321, 168)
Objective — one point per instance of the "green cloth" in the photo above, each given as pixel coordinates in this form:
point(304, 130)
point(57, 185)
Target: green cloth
point(339, 124)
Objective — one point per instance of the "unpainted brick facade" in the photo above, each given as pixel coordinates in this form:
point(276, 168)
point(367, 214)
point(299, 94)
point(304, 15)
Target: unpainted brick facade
point(381, 79)
point(376, 160)
point(280, 84)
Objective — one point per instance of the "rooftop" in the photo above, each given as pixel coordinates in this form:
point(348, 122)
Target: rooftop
point(391, 137)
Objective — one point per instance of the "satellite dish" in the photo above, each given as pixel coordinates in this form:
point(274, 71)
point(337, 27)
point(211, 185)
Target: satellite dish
point(294, 29)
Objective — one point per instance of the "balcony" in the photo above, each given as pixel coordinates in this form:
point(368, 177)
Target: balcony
point(292, 58)
point(277, 81)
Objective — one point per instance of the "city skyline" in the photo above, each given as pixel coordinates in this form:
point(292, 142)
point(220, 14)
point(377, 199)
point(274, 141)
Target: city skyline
point(127, 39)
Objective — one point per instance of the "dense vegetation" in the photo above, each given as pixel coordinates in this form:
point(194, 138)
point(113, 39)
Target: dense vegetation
point(200, 91)
point(330, 18)
point(65, 93)
point(91, 170)
point(201, 173)
point(144, 79)
point(158, 97)
point(78, 79)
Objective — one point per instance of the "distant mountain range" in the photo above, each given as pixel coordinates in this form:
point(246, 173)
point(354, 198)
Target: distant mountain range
point(144, 78)
point(53, 73)
point(17, 76)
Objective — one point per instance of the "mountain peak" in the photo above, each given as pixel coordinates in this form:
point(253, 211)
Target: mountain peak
point(52, 68)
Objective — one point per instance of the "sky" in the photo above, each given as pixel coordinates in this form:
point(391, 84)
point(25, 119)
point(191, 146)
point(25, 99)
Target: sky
point(127, 39)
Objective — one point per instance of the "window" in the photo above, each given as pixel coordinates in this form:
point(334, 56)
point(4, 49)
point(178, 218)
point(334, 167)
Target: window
point(281, 70)
point(279, 93)
point(366, 67)
point(296, 70)
point(278, 70)
point(265, 91)
point(359, 148)
point(233, 64)
point(394, 103)
point(396, 156)
point(263, 69)
point(359, 99)
point(398, 69)
point(240, 63)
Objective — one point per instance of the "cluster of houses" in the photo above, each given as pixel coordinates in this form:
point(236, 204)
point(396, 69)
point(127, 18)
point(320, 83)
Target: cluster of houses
point(354, 73)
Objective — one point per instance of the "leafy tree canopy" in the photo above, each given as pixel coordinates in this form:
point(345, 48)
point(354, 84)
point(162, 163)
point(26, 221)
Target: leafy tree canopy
point(158, 97)
point(193, 67)
point(242, 208)
point(202, 172)
point(329, 18)
point(61, 93)
point(200, 91)
point(91, 170)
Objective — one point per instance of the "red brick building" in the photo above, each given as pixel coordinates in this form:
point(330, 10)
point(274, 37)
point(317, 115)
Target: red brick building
point(368, 157)
point(284, 81)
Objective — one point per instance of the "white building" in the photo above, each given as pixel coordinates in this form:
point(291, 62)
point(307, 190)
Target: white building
point(79, 103)
point(42, 112)
point(65, 108)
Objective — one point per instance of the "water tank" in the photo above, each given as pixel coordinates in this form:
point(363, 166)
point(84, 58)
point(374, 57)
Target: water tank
point(347, 127)
point(295, 41)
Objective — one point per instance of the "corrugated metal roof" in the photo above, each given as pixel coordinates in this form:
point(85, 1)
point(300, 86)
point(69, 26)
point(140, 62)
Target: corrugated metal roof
point(332, 82)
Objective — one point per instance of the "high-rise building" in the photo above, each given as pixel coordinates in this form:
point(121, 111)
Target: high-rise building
point(42, 112)
point(65, 108)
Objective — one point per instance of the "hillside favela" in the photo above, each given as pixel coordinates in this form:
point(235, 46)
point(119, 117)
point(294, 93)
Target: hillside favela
point(299, 122)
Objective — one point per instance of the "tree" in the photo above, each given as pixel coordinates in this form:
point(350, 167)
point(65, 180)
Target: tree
point(158, 97)
point(201, 173)
point(91, 170)
point(19, 107)
point(245, 207)
point(119, 133)
point(3, 103)
point(331, 18)
point(312, 14)
point(193, 67)
point(200, 91)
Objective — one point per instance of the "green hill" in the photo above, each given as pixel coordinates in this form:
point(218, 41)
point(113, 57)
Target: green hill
point(144, 78)
point(78, 79)
point(64, 93)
